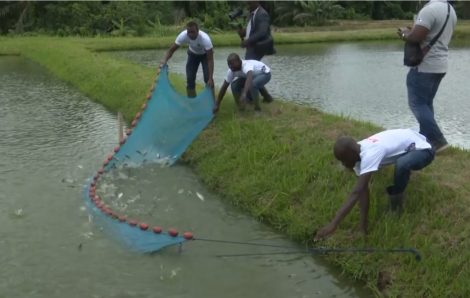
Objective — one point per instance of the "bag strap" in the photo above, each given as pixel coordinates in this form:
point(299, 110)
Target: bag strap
point(434, 40)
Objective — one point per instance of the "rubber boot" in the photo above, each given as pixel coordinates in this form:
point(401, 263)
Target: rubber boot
point(191, 92)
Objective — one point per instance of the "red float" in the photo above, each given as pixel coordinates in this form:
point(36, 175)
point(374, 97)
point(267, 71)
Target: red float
point(188, 235)
point(172, 232)
point(132, 222)
point(157, 230)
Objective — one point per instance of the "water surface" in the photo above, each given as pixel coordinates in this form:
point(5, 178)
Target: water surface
point(365, 81)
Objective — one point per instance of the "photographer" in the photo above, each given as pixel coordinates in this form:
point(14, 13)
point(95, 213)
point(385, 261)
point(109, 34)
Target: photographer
point(256, 37)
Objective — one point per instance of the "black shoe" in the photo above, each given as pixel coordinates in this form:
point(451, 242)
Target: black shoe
point(441, 147)
point(268, 99)
point(396, 202)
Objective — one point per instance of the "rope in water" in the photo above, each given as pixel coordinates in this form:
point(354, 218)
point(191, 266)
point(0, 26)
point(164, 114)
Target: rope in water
point(314, 250)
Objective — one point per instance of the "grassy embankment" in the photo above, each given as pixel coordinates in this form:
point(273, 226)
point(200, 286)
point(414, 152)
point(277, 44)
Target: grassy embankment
point(279, 167)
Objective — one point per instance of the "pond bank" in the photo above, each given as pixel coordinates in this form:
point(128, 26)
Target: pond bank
point(279, 168)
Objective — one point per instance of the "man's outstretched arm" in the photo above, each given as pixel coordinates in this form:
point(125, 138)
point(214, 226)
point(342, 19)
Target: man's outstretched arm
point(359, 192)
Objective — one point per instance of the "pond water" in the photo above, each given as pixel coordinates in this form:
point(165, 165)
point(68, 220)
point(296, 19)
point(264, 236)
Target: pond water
point(365, 81)
point(52, 139)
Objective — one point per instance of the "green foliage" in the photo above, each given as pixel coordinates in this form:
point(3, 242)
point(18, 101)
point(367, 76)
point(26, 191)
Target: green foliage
point(303, 13)
point(92, 18)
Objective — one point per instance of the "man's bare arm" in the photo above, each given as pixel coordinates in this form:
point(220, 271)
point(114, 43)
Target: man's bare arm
point(360, 191)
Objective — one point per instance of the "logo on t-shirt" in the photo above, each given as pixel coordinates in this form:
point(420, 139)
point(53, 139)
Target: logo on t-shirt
point(373, 139)
point(411, 147)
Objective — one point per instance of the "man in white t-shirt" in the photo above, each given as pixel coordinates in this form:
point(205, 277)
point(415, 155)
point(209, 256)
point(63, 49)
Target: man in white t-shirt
point(405, 148)
point(423, 81)
point(200, 51)
point(255, 74)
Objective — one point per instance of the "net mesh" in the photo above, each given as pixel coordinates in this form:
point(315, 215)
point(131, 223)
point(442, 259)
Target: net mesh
point(166, 125)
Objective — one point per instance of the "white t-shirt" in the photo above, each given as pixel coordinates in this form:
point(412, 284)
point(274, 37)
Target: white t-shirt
point(385, 147)
point(255, 66)
point(433, 16)
point(199, 46)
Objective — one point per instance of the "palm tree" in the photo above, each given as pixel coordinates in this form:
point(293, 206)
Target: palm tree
point(306, 12)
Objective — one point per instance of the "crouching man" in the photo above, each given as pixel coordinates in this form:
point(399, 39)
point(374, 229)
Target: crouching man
point(405, 148)
point(246, 78)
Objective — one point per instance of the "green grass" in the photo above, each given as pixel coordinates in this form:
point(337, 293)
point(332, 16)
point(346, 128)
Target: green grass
point(279, 168)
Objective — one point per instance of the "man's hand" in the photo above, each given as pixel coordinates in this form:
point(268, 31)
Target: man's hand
point(243, 99)
point(403, 32)
point(215, 109)
point(244, 43)
point(325, 232)
point(210, 83)
point(241, 32)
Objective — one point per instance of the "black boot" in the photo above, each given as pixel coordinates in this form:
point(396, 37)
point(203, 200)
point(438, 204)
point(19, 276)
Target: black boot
point(396, 202)
point(191, 92)
point(266, 96)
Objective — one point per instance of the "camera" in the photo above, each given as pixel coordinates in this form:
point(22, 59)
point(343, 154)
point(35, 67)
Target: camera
point(235, 13)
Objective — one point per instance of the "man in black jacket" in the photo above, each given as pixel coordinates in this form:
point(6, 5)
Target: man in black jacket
point(257, 39)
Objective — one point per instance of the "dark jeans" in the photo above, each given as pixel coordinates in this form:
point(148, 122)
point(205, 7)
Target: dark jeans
point(422, 88)
point(192, 66)
point(411, 161)
point(251, 54)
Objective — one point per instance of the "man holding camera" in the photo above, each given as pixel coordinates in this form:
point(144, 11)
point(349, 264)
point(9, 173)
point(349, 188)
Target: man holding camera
point(257, 39)
point(433, 31)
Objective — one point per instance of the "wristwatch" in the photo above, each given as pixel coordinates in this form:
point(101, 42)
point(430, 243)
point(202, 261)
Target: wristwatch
point(403, 35)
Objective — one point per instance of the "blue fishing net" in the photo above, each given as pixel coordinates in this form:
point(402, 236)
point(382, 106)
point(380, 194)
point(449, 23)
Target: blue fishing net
point(161, 132)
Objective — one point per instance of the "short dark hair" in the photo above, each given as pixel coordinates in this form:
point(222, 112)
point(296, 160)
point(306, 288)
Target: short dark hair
point(233, 56)
point(192, 24)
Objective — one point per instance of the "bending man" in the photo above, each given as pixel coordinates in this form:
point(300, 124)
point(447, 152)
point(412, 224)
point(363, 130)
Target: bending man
point(200, 51)
point(251, 76)
point(405, 148)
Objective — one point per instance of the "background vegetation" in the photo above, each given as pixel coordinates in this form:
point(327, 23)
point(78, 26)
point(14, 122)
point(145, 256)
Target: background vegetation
point(135, 18)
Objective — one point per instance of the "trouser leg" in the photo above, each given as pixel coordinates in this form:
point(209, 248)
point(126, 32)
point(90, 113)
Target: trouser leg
point(411, 161)
point(192, 65)
point(259, 81)
point(422, 88)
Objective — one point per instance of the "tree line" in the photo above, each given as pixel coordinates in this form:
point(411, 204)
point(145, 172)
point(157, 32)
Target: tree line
point(136, 18)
